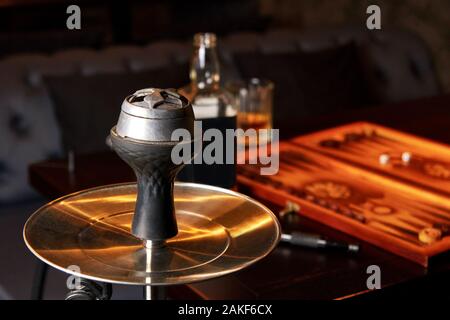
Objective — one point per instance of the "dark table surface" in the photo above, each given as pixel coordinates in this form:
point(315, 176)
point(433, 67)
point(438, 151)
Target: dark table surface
point(292, 272)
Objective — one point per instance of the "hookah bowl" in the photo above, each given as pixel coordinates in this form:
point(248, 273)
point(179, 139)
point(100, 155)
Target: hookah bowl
point(142, 138)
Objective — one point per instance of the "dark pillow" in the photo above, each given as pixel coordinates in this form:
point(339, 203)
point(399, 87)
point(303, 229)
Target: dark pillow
point(308, 83)
point(88, 107)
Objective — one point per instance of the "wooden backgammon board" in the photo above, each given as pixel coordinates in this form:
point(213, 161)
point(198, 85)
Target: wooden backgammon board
point(382, 186)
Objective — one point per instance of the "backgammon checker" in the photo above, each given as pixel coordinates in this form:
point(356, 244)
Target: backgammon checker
point(156, 232)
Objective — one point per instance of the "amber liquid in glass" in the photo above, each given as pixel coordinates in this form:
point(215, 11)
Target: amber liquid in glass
point(257, 121)
point(253, 120)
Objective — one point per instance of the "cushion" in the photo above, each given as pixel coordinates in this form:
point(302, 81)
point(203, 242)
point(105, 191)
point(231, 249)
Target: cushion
point(88, 107)
point(398, 67)
point(29, 133)
point(308, 83)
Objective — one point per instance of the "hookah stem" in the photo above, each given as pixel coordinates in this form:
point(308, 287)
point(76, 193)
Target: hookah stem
point(155, 293)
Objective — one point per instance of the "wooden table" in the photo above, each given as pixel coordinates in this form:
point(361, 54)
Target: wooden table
point(292, 272)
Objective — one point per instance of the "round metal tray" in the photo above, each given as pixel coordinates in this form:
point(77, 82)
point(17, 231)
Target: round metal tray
point(220, 231)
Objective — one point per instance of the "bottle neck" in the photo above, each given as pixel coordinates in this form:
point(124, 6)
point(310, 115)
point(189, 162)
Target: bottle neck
point(205, 71)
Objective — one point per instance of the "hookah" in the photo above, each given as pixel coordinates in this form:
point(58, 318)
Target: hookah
point(154, 232)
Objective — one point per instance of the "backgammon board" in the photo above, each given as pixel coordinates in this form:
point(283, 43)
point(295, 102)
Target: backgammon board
point(337, 179)
point(362, 144)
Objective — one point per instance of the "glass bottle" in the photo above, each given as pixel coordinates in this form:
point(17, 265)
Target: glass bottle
point(213, 106)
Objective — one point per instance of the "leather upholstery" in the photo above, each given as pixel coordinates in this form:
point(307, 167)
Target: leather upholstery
point(398, 63)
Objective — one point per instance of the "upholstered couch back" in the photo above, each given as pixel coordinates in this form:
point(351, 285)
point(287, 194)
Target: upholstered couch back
point(397, 67)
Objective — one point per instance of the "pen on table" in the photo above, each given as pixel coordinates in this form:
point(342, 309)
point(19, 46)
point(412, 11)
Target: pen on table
point(316, 241)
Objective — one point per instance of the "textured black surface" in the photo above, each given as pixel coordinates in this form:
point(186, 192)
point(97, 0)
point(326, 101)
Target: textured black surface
point(154, 216)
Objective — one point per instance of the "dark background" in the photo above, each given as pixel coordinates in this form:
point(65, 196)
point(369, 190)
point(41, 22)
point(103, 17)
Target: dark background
point(40, 25)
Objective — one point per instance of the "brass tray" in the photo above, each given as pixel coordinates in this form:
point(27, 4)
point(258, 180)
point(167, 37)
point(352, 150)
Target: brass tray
point(220, 231)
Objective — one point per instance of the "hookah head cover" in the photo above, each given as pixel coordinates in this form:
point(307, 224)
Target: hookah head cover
point(143, 139)
point(151, 115)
